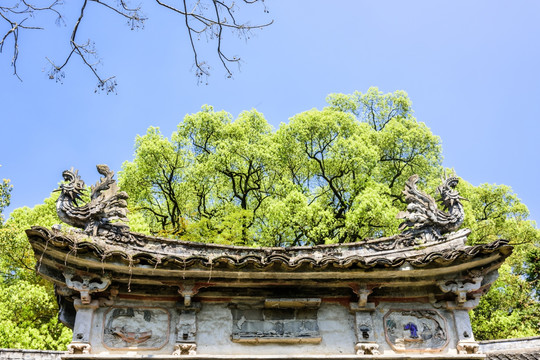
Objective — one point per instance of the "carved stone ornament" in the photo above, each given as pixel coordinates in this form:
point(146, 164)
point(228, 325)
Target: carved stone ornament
point(367, 349)
point(136, 328)
point(185, 349)
point(106, 203)
point(86, 284)
point(79, 348)
point(363, 292)
point(423, 218)
point(468, 347)
point(254, 324)
point(461, 287)
point(415, 330)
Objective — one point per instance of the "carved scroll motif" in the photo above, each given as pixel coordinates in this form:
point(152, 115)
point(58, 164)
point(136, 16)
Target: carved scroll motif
point(86, 284)
point(461, 288)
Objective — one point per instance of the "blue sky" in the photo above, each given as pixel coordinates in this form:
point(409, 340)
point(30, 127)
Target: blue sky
point(471, 69)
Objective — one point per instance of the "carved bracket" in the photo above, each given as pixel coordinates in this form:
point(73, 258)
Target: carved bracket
point(460, 287)
point(185, 349)
point(363, 291)
point(86, 284)
point(189, 290)
point(468, 347)
point(367, 349)
point(79, 348)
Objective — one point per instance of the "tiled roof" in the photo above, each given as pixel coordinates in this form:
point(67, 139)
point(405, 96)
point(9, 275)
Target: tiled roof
point(181, 254)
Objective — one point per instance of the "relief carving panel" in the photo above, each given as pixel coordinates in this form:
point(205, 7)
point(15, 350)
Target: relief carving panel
point(142, 328)
point(275, 325)
point(415, 330)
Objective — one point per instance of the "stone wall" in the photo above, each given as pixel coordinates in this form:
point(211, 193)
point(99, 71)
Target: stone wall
point(18, 354)
point(507, 349)
point(512, 349)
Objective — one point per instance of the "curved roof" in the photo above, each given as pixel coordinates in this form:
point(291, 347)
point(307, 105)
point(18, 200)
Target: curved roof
point(137, 249)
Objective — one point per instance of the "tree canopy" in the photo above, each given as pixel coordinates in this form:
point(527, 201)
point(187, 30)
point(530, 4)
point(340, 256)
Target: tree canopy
point(28, 309)
point(330, 175)
point(5, 196)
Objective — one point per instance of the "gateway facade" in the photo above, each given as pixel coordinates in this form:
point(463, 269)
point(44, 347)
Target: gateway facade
point(130, 295)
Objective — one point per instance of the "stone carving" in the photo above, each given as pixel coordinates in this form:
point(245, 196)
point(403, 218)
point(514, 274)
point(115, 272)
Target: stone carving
point(189, 289)
point(185, 349)
point(106, 203)
point(423, 218)
point(367, 349)
point(467, 347)
point(79, 348)
point(364, 330)
point(136, 328)
point(363, 292)
point(281, 325)
point(461, 288)
point(414, 330)
point(86, 284)
point(391, 244)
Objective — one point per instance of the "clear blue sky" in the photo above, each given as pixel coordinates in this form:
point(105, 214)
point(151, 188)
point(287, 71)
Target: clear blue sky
point(471, 68)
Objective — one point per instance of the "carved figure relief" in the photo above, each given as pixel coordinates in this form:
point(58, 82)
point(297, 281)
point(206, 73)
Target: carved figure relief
point(257, 325)
point(411, 330)
point(128, 327)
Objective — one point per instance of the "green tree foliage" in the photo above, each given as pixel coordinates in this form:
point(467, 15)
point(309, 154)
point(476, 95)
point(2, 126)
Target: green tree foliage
point(508, 310)
point(28, 309)
point(5, 196)
point(331, 175)
point(511, 308)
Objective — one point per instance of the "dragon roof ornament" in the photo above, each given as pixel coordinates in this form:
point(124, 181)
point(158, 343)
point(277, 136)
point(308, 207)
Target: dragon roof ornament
point(106, 203)
point(422, 217)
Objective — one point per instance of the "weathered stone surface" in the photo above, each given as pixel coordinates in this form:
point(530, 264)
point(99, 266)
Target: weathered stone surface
point(423, 218)
point(106, 203)
point(18, 354)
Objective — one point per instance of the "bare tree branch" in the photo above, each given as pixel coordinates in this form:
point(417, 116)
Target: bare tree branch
point(201, 17)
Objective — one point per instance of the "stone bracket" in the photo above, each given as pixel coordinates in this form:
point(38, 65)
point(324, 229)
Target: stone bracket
point(460, 287)
point(86, 284)
point(79, 348)
point(468, 347)
point(185, 349)
point(189, 289)
point(367, 349)
point(363, 291)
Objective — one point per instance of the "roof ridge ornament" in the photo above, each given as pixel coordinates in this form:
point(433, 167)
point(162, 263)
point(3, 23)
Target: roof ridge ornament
point(422, 217)
point(106, 203)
